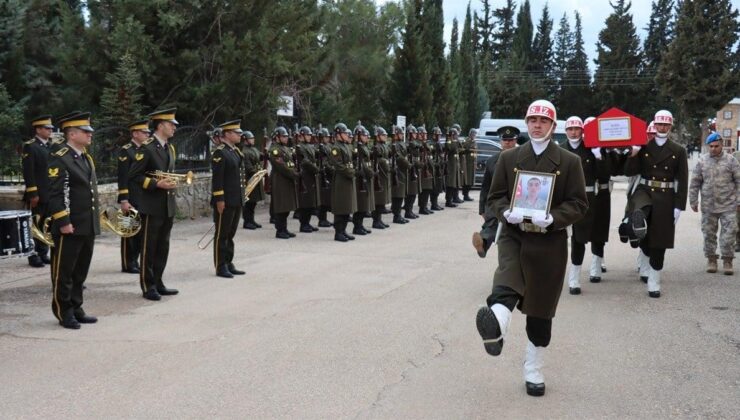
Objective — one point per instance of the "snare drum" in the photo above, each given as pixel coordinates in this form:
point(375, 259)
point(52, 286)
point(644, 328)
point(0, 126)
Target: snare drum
point(15, 234)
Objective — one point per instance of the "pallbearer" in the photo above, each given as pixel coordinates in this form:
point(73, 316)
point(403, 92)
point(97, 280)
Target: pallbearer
point(129, 194)
point(35, 162)
point(252, 164)
point(381, 159)
point(227, 197)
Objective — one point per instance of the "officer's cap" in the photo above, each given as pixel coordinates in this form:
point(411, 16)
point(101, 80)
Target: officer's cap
point(233, 125)
point(80, 121)
point(164, 115)
point(141, 125)
point(42, 121)
point(508, 133)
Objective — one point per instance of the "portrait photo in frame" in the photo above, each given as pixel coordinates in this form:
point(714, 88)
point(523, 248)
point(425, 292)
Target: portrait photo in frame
point(532, 193)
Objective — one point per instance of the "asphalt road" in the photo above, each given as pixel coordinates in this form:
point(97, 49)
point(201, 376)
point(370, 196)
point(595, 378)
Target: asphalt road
point(382, 327)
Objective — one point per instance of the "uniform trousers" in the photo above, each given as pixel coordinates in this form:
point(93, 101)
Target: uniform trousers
point(578, 250)
point(248, 211)
point(155, 250)
point(227, 223)
point(539, 330)
point(70, 261)
point(710, 222)
point(281, 221)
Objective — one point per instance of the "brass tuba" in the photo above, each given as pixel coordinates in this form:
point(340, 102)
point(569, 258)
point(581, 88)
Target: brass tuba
point(43, 235)
point(253, 181)
point(123, 225)
point(177, 179)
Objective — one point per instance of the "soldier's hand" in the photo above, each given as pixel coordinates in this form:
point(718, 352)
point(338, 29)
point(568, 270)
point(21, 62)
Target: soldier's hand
point(67, 229)
point(34, 201)
point(696, 208)
point(166, 184)
point(220, 206)
point(126, 206)
point(635, 151)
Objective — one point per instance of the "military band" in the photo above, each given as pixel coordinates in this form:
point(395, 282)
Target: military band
point(129, 194)
point(35, 161)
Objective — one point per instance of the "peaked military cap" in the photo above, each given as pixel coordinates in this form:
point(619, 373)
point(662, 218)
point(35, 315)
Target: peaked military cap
point(141, 125)
point(508, 133)
point(164, 115)
point(42, 121)
point(81, 121)
point(233, 125)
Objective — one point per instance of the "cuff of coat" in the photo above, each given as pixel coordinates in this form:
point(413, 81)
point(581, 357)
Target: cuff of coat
point(149, 184)
point(61, 218)
point(32, 189)
point(218, 193)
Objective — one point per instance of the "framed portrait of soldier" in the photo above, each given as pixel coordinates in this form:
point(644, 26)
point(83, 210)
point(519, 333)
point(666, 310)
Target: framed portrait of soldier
point(532, 193)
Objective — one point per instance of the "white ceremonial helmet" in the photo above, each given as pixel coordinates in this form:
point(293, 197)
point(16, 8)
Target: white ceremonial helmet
point(573, 122)
point(588, 120)
point(542, 108)
point(663, 117)
point(651, 128)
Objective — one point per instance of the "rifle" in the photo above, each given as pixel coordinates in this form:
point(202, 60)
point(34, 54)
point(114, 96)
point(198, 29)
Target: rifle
point(394, 166)
point(265, 139)
point(414, 172)
point(376, 169)
point(425, 172)
point(361, 180)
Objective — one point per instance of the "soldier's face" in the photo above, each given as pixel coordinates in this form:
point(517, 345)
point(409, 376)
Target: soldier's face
point(79, 138)
point(166, 129)
point(139, 135)
point(382, 138)
point(574, 133)
point(538, 126)
point(43, 132)
point(250, 141)
point(507, 144)
point(283, 139)
point(533, 187)
point(715, 148)
point(662, 128)
point(232, 137)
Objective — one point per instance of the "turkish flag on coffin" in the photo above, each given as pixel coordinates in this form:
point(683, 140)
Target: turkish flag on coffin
point(615, 128)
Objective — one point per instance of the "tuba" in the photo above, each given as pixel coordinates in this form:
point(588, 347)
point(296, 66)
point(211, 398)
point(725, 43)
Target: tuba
point(123, 225)
point(253, 181)
point(43, 235)
point(177, 179)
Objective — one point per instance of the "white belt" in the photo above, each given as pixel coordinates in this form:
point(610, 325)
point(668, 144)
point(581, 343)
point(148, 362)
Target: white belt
point(592, 188)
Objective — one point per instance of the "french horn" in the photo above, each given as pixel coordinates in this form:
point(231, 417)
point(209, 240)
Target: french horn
point(43, 234)
point(122, 224)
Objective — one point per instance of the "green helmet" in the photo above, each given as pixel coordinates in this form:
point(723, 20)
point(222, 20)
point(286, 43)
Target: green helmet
point(280, 131)
point(421, 129)
point(457, 127)
point(411, 129)
point(380, 131)
point(437, 131)
point(305, 131)
point(359, 130)
point(341, 128)
point(248, 135)
point(323, 132)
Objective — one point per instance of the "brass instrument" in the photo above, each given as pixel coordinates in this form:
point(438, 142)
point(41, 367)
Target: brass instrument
point(252, 183)
point(123, 225)
point(177, 179)
point(43, 234)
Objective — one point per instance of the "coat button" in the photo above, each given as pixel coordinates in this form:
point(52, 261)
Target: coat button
point(655, 166)
point(652, 189)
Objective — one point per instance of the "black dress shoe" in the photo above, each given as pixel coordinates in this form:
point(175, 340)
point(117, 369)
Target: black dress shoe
point(644, 279)
point(250, 226)
point(489, 330)
point(386, 225)
point(425, 211)
point(314, 228)
point(654, 294)
point(259, 226)
point(223, 271)
point(575, 290)
point(306, 229)
point(437, 208)
point(450, 205)
point(359, 231)
point(131, 270)
point(86, 319)
point(339, 237)
point(535, 390)
point(167, 292)
point(378, 225)
point(45, 259)
point(234, 270)
point(400, 220)
point(467, 199)
point(35, 261)
point(282, 235)
point(70, 322)
point(350, 237)
point(291, 234)
point(594, 279)
point(457, 200)
point(152, 294)
point(325, 223)
point(367, 231)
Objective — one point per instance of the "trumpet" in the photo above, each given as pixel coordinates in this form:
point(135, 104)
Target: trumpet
point(252, 183)
point(123, 225)
point(177, 179)
point(43, 234)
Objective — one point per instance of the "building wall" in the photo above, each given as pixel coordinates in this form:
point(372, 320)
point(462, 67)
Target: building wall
point(728, 127)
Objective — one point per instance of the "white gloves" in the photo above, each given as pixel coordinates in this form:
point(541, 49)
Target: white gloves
point(635, 150)
point(676, 215)
point(514, 217)
point(596, 152)
point(542, 222)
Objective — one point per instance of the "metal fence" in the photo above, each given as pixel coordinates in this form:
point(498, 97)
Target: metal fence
point(191, 143)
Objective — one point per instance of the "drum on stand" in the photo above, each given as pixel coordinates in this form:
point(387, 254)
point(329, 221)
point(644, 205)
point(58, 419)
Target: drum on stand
point(16, 239)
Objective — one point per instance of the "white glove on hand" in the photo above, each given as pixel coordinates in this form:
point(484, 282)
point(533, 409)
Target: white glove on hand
point(514, 217)
point(596, 152)
point(542, 222)
point(635, 150)
point(676, 215)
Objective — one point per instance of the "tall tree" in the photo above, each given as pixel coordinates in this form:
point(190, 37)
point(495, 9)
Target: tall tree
point(467, 82)
point(485, 25)
point(439, 71)
point(659, 37)
point(616, 82)
point(576, 92)
point(410, 74)
point(699, 70)
point(504, 35)
point(542, 54)
point(121, 100)
point(562, 54)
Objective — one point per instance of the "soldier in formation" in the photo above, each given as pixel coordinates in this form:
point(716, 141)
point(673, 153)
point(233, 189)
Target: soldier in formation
point(400, 166)
point(253, 159)
point(365, 176)
point(382, 166)
point(283, 180)
point(426, 172)
point(308, 182)
point(344, 194)
point(413, 149)
point(323, 156)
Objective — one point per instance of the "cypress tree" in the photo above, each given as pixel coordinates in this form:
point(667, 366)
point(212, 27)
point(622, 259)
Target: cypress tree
point(503, 37)
point(659, 36)
point(562, 54)
point(576, 93)
point(542, 54)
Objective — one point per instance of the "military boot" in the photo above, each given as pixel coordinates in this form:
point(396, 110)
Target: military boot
point(727, 266)
point(712, 264)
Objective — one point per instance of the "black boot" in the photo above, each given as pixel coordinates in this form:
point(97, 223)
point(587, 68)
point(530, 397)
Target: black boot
point(223, 271)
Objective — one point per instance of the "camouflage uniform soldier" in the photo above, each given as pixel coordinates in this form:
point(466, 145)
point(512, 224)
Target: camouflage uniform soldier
point(717, 176)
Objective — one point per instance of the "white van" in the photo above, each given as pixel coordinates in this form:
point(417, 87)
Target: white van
point(489, 126)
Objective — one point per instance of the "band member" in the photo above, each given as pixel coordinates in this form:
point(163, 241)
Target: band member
point(426, 172)
point(129, 195)
point(400, 168)
point(308, 187)
point(228, 184)
point(532, 253)
point(323, 151)
point(469, 156)
point(453, 180)
point(381, 158)
point(483, 240)
point(283, 182)
point(440, 167)
point(659, 196)
point(344, 194)
point(413, 148)
point(73, 205)
point(35, 163)
point(157, 207)
point(365, 181)
point(252, 164)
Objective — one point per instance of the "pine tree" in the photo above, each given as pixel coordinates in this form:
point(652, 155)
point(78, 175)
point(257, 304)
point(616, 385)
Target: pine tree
point(659, 36)
point(562, 54)
point(576, 92)
point(467, 82)
point(11, 114)
point(616, 82)
point(121, 100)
point(542, 54)
point(439, 71)
point(521, 46)
point(410, 75)
point(503, 37)
point(485, 42)
point(697, 70)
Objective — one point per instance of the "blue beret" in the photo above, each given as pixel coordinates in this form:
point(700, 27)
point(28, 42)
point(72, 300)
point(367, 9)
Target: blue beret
point(712, 138)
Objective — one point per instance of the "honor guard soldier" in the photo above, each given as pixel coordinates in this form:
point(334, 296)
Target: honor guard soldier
point(381, 158)
point(323, 153)
point(400, 168)
point(35, 164)
point(365, 181)
point(283, 182)
point(129, 195)
point(157, 208)
point(74, 208)
point(440, 167)
point(533, 254)
point(469, 156)
point(227, 196)
point(426, 172)
point(659, 196)
point(308, 187)
point(413, 148)
point(453, 180)
point(252, 164)
point(483, 240)
point(344, 193)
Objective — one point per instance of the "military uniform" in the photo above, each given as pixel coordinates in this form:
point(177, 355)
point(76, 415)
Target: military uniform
point(252, 164)
point(453, 179)
point(426, 173)
point(283, 187)
point(400, 169)
point(440, 167)
point(344, 194)
point(365, 187)
point(381, 156)
point(35, 161)
point(131, 193)
point(157, 207)
point(413, 179)
point(468, 161)
point(73, 199)
point(323, 153)
point(308, 191)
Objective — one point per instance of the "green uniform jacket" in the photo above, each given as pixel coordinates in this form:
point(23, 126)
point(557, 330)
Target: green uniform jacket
point(365, 199)
point(533, 264)
point(426, 172)
point(73, 192)
point(402, 165)
point(283, 179)
point(454, 170)
point(414, 176)
point(326, 173)
point(470, 153)
point(149, 158)
point(440, 166)
point(665, 164)
point(343, 194)
point(381, 155)
point(252, 164)
point(308, 191)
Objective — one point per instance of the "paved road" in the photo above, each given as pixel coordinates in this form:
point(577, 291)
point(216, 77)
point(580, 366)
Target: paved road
point(379, 328)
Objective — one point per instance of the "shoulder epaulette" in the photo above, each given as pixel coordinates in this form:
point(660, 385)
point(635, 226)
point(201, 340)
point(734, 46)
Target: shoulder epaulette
point(149, 140)
point(61, 152)
point(220, 147)
point(29, 141)
point(127, 146)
